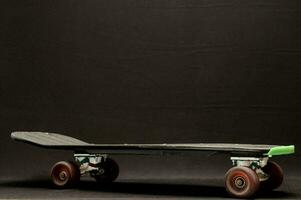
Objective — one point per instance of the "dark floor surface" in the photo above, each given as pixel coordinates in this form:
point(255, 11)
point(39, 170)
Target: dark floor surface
point(41, 188)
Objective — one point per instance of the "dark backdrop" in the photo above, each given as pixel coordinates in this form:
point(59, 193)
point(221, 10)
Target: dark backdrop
point(157, 71)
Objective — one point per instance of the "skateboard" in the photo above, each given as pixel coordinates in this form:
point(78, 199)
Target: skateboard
point(252, 170)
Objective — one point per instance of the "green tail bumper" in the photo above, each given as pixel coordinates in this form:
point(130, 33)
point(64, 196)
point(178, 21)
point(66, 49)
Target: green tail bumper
point(281, 150)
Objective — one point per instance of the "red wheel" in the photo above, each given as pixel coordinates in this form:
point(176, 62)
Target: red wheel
point(110, 171)
point(275, 176)
point(65, 174)
point(241, 182)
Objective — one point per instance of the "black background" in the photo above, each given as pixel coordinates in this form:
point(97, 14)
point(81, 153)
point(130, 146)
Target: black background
point(157, 71)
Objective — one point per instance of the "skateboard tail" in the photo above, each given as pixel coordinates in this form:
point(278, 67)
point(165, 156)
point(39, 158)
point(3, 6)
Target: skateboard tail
point(281, 150)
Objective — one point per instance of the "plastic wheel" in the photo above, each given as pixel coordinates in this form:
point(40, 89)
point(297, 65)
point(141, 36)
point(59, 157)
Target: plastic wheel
point(65, 174)
point(241, 182)
point(275, 176)
point(110, 173)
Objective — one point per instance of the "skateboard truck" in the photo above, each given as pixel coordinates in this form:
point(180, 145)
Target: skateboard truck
point(90, 163)
point(254, 163)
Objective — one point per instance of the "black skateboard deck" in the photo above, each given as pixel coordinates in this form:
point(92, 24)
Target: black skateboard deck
point(58, 141)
